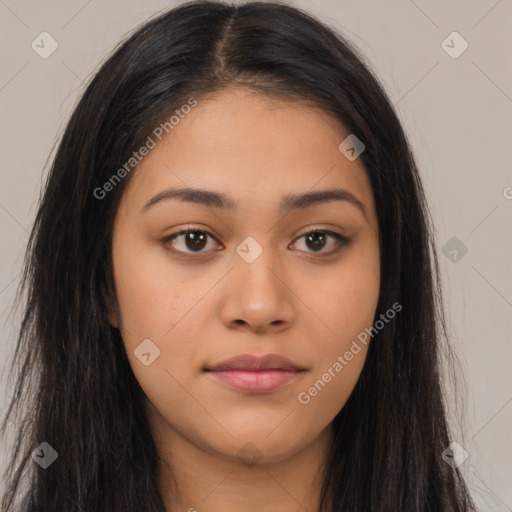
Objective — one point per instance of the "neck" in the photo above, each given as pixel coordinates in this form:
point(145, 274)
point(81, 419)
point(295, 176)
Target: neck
point(195, 479)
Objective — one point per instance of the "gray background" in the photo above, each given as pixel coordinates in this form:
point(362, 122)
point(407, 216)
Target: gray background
point(457, 112)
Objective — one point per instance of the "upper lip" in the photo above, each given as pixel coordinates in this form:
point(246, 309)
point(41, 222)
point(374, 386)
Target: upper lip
point(249, 362)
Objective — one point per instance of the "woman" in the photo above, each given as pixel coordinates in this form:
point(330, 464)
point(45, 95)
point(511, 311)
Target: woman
point(189, 343)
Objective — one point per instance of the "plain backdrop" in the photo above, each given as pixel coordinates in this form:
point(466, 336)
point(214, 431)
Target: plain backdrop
point(456, 108)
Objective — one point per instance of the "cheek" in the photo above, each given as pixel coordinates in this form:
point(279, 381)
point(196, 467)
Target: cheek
point(149, 292)
point(338, 365)
point(157, 303)
point(345, 299)
point(346, 303)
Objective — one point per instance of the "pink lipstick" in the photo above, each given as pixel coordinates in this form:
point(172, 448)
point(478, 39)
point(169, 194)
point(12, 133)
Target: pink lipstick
point(253, 374)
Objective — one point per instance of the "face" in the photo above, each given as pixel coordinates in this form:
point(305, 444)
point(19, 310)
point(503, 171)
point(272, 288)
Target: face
point(236, 271)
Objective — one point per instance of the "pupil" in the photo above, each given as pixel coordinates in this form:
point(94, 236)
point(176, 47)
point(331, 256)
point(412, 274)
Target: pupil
point(195, 243)
point(315, 237)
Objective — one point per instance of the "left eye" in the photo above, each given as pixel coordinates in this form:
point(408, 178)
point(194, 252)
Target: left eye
point(195, 240)
point(317, 240)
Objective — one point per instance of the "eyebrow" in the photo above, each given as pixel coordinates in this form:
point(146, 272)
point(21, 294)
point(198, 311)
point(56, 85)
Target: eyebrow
point(289, 202)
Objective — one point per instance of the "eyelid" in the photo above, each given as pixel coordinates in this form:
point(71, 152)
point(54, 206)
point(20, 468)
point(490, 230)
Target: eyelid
point(190, 228)
point(342, 241)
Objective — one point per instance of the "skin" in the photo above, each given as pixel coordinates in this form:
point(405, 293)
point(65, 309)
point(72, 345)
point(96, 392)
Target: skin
point(294, 299)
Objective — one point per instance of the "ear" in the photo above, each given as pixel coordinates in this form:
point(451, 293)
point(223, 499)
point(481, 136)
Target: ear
point(112, 318)
point(111, 313)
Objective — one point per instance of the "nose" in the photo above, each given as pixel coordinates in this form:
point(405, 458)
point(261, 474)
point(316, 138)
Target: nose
point(258, 296)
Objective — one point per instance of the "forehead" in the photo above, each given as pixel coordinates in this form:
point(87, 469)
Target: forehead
point(249, 146)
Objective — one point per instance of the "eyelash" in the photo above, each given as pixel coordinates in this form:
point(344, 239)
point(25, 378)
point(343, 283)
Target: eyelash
point(341, 242)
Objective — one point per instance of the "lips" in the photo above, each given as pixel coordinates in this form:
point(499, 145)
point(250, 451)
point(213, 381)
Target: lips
point(256, 375)
point(248, 362)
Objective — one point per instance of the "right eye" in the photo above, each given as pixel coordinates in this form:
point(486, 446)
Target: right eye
point(192, 239)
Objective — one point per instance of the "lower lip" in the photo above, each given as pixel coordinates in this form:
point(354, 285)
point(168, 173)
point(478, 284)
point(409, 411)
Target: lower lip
point(261, 381)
